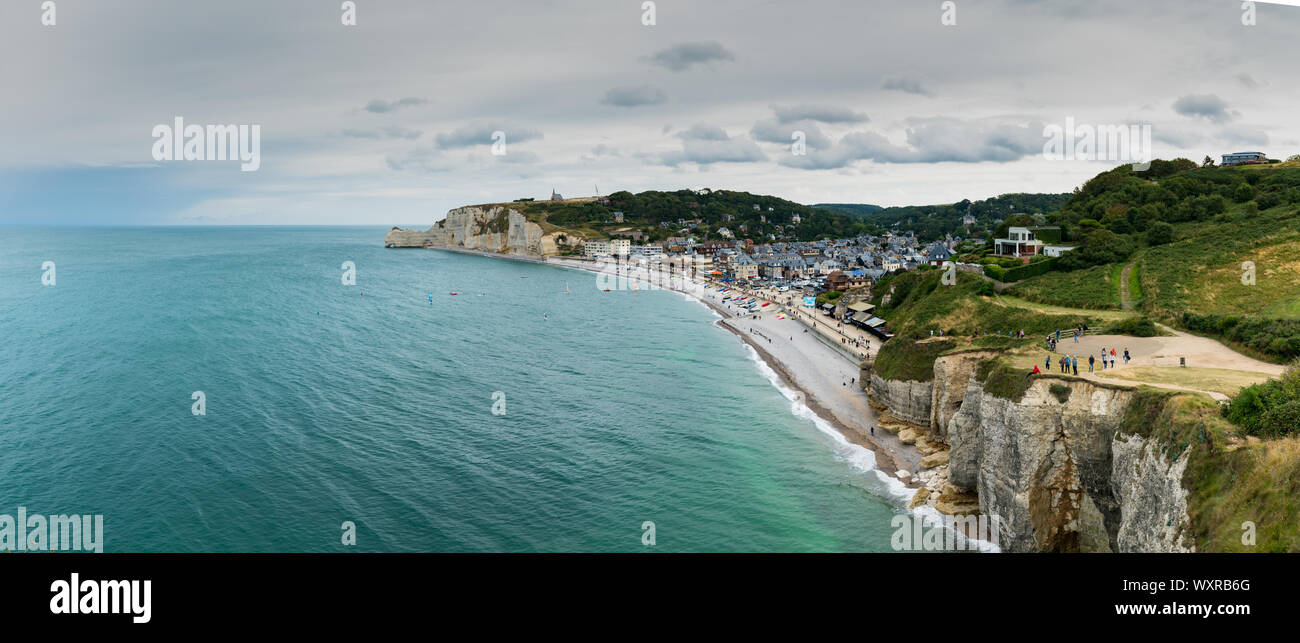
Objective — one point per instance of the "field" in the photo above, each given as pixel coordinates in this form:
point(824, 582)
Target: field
point(1218, 380)
point(1094, 288)
point(1203, 270)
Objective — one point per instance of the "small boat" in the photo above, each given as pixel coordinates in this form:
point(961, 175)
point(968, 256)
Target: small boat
point(455, 293)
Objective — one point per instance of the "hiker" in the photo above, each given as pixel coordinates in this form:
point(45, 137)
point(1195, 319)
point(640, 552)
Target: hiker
point(1126, 356)
point(1047, 363)
point(1112, 358)
point(1036, 371)
point(1074, 361)
point(1076, 336)
point(1058, 334)
point(1091, 360)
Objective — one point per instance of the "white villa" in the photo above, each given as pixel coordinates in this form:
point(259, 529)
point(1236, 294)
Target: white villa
point(1021, 242)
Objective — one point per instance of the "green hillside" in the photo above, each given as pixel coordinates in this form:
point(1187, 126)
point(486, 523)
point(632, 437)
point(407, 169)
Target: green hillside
point(658, 215)
point(932, 222)
point(1186, 234)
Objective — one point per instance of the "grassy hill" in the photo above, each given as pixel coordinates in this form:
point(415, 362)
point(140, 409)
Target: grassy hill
point(932, 222)
point(656, 215)
point(1184, 238)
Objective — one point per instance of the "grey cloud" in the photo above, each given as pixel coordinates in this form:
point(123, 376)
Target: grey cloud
point(820, 113)
point(378, 106)
point(1206, 106)
point(774, 131)
point(522, 157)
point(933, 140)
point(634, 96)
point(705, 144)
point(906, 84)
point(481, 134)
point(421, 159)
point(1244, 135)
point(391, 131)
point(682, 56)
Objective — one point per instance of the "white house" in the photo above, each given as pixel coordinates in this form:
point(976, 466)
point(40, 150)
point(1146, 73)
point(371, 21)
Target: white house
point(1020, 242)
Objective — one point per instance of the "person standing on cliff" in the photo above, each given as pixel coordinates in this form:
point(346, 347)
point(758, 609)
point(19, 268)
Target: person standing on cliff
point(1074, 361)
point(1047, 363)
point(1091, 360)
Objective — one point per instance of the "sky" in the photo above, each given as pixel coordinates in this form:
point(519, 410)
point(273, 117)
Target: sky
point(390, 121)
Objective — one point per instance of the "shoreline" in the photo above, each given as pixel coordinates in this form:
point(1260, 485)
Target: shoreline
point(889, 453)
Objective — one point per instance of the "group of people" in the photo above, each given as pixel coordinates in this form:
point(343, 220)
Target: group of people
point(1070, 363)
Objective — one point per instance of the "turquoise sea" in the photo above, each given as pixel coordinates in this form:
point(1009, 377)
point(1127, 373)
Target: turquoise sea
point(328, 403)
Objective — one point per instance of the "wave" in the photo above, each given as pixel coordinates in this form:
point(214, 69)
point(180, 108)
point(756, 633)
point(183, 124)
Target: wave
point(878, 482)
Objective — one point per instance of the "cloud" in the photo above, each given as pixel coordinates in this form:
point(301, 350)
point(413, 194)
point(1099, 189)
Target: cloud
point(421, 159)
point(931, 140)
point(392, 131)
point(481, 134)
point(634, 96)
point(682, 56)
point(602, 150)
point(522, 157)
point(821, 113)
point(705, 144)
point(1244, 135)
point(1207, 106)
point(378, 106)
point(774, 131)
point(905, 84)
point(1248, 81)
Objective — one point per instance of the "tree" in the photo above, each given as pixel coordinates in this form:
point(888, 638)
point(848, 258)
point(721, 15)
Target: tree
point(1160, 233)
point(1294, 158)
point(1208, 162)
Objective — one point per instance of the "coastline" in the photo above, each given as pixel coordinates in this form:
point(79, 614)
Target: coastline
point(842, 407)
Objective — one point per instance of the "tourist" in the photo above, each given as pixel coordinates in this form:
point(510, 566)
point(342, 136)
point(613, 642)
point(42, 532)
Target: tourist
point(1074, 362)
point(1126, 356)
point(1091, 361)
point(1047, 362)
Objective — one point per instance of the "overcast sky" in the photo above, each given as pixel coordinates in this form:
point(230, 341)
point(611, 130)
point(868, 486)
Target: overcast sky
point(390, 121)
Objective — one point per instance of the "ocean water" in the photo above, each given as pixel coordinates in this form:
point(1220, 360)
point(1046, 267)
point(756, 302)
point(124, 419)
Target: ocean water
point(328, 403)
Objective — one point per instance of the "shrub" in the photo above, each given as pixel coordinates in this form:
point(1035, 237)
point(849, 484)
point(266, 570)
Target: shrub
point(1270, 409)
point(1160, 233)
point(1061, 392)
point(909, 360)
point(1135, 326)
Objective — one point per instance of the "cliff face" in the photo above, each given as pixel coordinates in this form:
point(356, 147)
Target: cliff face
point(490, 228)
point(907, 401)
point(1059, 475)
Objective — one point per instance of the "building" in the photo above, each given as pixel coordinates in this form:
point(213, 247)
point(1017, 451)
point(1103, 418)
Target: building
point(725, 233)
point(1243, 158)
point(597, 249)
point(620, 247)
point(555, 196)
point(650, 251)
point(1020, 242)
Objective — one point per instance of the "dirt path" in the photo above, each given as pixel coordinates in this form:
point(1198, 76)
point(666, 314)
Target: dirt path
point(1125, 297)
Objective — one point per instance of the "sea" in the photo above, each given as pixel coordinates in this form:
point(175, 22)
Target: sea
point(229, 389)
